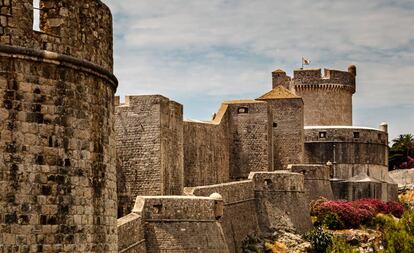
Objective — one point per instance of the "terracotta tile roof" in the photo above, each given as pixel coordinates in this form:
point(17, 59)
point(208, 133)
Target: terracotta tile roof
point(279, 92)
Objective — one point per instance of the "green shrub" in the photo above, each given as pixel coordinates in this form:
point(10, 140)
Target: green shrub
point(407, 221)
point(319, 239)
point(398, 234)
point(340, 246)
point(332, 221)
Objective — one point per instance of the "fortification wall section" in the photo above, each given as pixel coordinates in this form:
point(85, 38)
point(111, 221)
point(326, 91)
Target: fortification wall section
point(317, 180)
point(239, 219)
point(57, 162)
point(403, 177)
point(206, 153)
point(172, 152)
point(275, 192)
point(288, 133)
point(250, 134)
point(81, 29)
point(356, 150)
point(181, 224)
point(131, 237)
point(149, 147)
point(328, 98)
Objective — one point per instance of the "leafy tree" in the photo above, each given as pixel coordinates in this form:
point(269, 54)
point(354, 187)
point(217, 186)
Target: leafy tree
point(401, 155)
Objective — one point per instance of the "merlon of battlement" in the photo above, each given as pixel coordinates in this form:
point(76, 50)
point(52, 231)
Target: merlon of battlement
point(330, 76)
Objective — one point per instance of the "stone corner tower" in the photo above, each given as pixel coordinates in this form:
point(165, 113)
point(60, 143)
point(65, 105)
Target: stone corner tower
point(327, 98)
point(57, 151)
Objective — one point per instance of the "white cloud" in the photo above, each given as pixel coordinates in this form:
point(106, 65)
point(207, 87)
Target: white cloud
point(182, 48)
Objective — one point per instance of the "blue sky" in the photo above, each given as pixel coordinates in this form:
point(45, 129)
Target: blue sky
point(201, 52)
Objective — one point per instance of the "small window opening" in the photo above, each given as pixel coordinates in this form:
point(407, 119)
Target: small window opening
point(274, 124)
point(356, 135)
point(268, 182)
point(241, 110)
point(157, 208)
point(36, 15)
point(322, 134)
point(379, 136)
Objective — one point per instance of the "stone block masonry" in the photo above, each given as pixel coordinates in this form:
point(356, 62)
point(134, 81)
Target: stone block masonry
point(181, 224)
point(239, 218)
point(281, 201)
point(206, 153)
point(57, 155)
point(149, 137)
point(328, 98)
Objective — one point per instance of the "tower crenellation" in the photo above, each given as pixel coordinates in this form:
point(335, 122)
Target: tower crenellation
point(81, 29)
point(327, 97)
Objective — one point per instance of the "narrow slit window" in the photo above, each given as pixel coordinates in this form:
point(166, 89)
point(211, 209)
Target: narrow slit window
point(36, 15)
point(322, 135)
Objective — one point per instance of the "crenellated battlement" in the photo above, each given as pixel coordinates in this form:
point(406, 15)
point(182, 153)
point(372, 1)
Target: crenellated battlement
point(81, 29)
point(332, 79)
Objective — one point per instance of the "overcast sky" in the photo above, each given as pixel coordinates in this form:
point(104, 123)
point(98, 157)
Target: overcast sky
point(201, 52)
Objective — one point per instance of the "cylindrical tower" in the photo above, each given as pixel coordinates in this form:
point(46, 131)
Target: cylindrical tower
point(57, 151)
point(328, 98)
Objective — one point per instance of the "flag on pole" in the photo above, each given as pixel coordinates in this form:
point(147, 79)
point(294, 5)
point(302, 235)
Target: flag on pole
point(305, 61)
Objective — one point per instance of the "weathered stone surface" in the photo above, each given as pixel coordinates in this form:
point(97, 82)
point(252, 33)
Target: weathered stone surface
point(328, 98)
point(57, 155)
point(317, 180)
point(149, 138)
point(239, 219)
point(131, 234)
point(181, 224)
point(281, 201)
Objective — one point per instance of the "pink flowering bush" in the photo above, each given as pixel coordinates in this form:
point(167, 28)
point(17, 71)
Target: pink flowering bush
point(352, 213)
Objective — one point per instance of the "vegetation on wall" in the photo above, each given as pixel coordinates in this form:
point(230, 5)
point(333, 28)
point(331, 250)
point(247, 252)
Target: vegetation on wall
point(401, 153)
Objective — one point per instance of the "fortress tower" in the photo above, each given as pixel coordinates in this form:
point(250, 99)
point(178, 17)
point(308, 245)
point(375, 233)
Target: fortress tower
point(328, 98)
point(57, 150)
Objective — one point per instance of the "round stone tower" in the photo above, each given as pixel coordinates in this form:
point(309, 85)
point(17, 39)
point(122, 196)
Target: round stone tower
point(57, 156)
point(328, 98)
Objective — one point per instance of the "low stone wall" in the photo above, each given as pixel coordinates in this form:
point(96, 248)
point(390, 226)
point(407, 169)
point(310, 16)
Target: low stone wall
point(181, 224)
point(281, 201)
point(403, 177)
point(131, 234)
point(317, 183)
point(239, 218)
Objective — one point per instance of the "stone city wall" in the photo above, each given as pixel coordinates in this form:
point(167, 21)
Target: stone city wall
point(131, 237)
point(206, 151)
point(317, 180)
point(149, 147)
point(275, 192)
point(250, 134)
point(352, 145)
point(239, 219)
point(181, 224)
point(287, 130)
point(403, 177)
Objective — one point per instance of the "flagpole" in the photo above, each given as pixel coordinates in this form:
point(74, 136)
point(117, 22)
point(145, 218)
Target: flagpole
point(302, 62)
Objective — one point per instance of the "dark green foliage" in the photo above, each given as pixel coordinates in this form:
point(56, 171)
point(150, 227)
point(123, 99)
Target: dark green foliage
point(398, 234)
point(401, 152)
point(319, 239)
point(332, 221)
point(340, 246)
